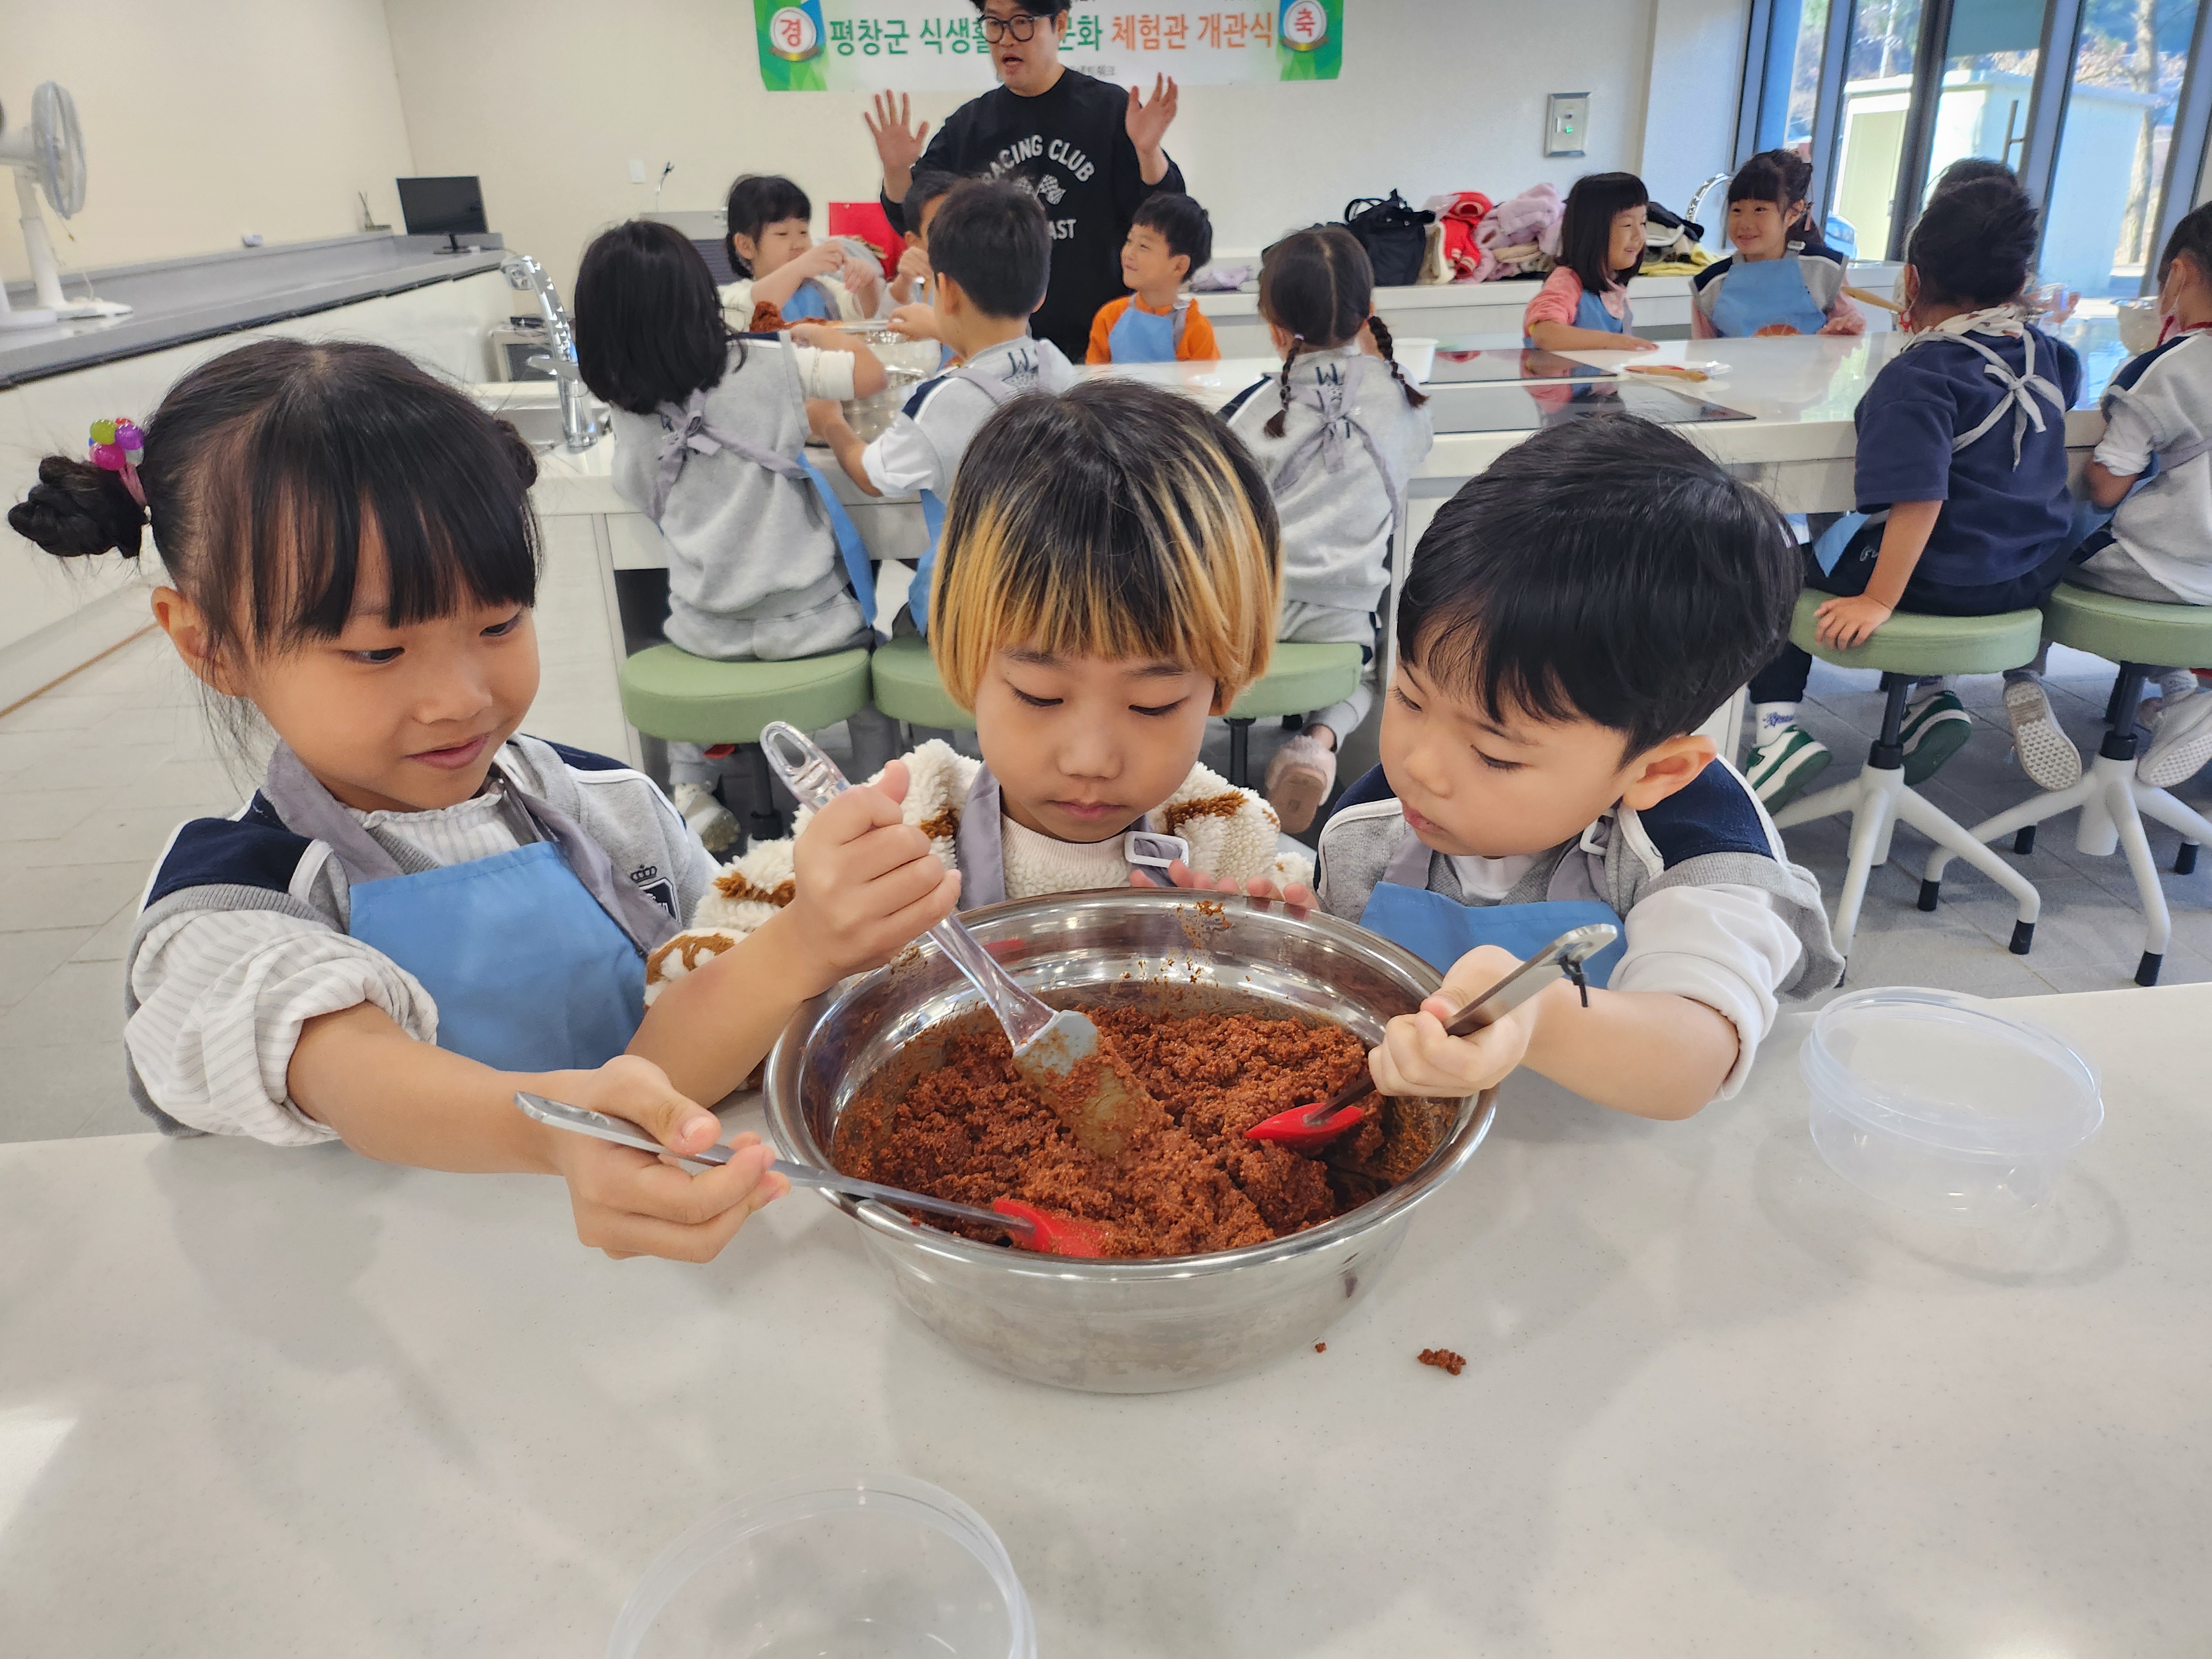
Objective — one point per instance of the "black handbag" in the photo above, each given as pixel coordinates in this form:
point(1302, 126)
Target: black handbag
point(1394, 232)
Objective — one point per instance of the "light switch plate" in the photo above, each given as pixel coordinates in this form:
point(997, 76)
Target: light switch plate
point(1566, 118)
point(637, 172)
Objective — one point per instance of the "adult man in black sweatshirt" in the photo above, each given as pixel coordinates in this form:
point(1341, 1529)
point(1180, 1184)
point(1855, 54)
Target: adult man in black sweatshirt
point(1088, 152)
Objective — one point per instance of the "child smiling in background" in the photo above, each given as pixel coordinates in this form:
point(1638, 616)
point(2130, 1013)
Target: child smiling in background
point(1769, 285)
point(1170, 241)
point(1583, 304)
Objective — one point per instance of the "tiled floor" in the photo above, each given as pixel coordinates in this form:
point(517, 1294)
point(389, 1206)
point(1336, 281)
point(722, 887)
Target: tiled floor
point(95, 774)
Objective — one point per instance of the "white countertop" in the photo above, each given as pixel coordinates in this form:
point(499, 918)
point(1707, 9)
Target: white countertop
point(264, 1402)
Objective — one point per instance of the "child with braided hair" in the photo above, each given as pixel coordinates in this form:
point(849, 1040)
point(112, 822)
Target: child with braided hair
point(1337, 443)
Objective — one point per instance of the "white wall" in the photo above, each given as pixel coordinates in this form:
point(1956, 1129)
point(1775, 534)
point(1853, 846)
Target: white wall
point(204, 119)
point(550, 99)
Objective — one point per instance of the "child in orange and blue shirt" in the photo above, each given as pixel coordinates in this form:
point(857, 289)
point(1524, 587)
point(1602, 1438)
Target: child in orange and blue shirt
point(1170, 239)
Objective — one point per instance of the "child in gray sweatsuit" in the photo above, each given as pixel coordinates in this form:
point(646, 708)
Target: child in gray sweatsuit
point(710, 433)
point(1338, 441)
point(1570, 619)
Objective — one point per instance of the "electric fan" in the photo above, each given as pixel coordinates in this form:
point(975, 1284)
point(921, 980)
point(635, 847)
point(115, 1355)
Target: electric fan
point(48, 155)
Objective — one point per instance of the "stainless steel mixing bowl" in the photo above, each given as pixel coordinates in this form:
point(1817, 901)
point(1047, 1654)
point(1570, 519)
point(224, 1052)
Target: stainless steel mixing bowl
point(1138, 1326)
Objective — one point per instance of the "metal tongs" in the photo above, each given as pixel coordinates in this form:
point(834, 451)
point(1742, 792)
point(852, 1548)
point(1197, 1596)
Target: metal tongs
point(1029, 1227)
point(1304, 1127)
point(1058, 1052)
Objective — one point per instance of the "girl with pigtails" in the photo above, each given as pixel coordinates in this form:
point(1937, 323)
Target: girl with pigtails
point(1337, 435)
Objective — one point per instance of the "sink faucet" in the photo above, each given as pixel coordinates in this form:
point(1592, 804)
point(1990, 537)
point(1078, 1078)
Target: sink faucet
point(1698, 198)
point(578, 429)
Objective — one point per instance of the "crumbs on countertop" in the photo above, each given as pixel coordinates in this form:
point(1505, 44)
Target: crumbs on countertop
point(1444, 1360)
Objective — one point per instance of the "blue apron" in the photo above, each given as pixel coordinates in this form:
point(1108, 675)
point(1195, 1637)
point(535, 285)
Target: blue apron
point(1145, 336)
point(808, 304)
point(1440, 930)
point(1591, 313)
point(528, 972)
point(535, 956)
point(685, 430)
point(1768, 291)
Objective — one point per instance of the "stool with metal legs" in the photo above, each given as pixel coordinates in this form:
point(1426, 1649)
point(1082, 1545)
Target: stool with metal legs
point(1906, 647)
point(2113, 801)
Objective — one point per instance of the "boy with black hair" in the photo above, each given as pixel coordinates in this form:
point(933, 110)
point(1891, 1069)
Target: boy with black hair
point(923, 198)
point(1088, 151)
point(990, 253)
point(1171, 238)
point(1571, 617)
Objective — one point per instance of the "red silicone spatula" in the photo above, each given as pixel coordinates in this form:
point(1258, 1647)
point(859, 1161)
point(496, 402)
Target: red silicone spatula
point(1049, 1234)
point(1303, 1128)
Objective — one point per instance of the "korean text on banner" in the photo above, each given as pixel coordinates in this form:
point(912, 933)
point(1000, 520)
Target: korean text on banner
point(926, 45)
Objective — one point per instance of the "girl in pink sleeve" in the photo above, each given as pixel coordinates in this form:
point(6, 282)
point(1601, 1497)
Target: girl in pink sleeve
point(1583, 304)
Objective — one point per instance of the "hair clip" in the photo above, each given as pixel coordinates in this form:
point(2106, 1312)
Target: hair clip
point(117, 445)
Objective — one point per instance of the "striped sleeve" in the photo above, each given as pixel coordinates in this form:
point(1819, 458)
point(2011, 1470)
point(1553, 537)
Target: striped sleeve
point(223, 995)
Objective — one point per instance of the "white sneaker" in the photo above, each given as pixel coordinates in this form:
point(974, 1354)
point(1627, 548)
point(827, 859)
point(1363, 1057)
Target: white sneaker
point(2047, 755)
point(714, 824)
point(1299, 778)
point(1779, 768)
point(2180, 743)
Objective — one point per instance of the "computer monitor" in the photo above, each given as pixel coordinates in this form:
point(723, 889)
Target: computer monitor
point(443, 207)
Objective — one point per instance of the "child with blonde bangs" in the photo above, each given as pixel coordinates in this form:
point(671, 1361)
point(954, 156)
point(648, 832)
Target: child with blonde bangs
point(1092, 628)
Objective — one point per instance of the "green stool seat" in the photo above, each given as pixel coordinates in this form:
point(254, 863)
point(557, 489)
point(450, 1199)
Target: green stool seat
point(1299, 679)
point(672, 694)
point(908, 687)
point(1910, 643)
point(2129, 630)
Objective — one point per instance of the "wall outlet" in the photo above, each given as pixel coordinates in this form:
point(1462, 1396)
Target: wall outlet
point(637, 172)
point(1566, 119)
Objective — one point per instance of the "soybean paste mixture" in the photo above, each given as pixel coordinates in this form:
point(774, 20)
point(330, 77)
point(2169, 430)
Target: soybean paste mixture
point(970, 1130)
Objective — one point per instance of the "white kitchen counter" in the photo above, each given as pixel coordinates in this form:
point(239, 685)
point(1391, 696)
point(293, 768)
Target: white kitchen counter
point(264, 1402)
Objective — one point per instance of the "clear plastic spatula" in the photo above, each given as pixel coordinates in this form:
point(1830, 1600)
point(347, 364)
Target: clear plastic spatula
point(1028, 1226)
point(1304, 1126)
point(1058, 1052)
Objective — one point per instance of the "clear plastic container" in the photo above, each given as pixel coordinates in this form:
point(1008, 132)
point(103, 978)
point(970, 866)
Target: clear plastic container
point(1945, 1103)
point(840, 1565)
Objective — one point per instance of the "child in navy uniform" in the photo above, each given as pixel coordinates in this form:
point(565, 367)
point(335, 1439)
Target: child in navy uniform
point(1571, 617)
point(1960, 479)
point(990, 254)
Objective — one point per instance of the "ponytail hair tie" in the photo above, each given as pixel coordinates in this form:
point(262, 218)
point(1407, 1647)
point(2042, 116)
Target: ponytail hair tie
point(118, 447)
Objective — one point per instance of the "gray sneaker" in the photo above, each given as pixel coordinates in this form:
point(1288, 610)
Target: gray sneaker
point(705, 817)
point(2047, 755)
point(2180, 743)
point(1779, 768)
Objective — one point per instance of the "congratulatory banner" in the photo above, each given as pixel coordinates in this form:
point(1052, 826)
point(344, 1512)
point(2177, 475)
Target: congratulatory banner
point(925, 45)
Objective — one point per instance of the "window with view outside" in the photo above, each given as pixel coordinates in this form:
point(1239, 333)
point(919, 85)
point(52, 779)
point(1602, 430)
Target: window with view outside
point(1877, 96)
point(2128, 69)
point(1989, 82)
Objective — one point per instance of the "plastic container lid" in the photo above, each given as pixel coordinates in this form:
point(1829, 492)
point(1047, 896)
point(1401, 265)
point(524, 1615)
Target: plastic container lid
point(847, 1564)
point(1951, 1071)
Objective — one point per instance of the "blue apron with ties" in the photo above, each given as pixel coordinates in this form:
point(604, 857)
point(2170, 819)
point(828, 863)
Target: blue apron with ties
point(808, 304)
point(1440, 930)
point(535, 956)
point(1766, 292)
point(932, 509)
point(1144, 337)
point(685, 430)
point(1591, 313)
